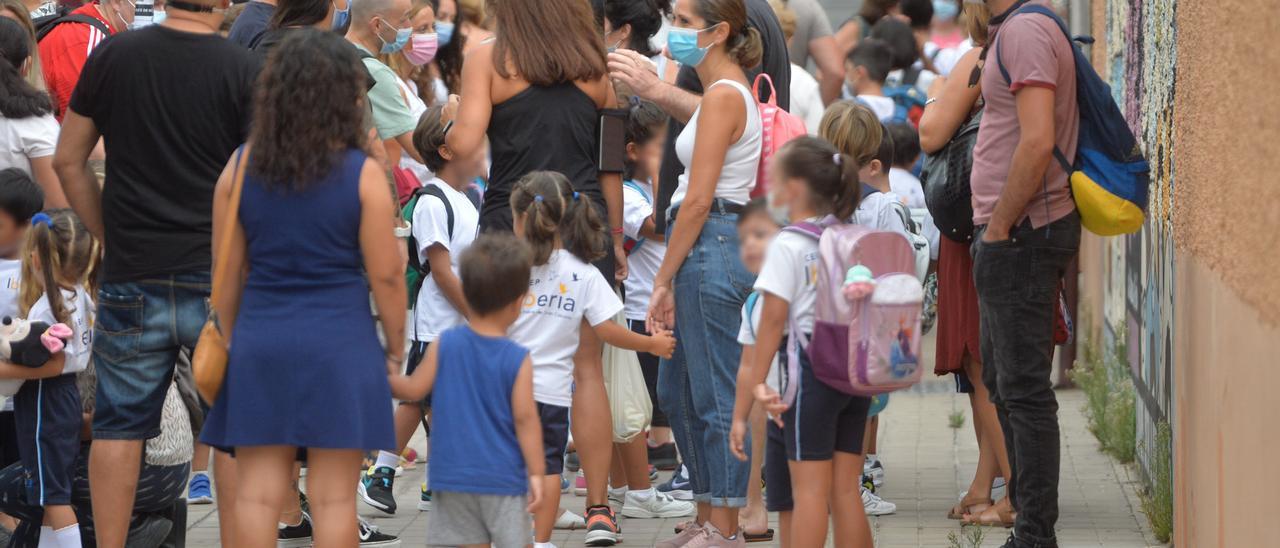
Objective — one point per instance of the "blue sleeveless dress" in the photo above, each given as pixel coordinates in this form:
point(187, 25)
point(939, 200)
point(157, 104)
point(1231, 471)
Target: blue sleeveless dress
point(306, 366)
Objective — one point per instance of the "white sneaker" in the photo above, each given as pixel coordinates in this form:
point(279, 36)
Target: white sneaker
point(874, 469)
point(876, 506)
point(569, 521)
point(655, 505)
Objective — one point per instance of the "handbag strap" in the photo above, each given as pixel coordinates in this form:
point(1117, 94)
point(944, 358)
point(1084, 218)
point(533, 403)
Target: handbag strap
point(232, 217)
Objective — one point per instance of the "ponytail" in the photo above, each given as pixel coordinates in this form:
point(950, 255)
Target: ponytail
point(66, 253)
point(832, 176)
point(555, 214)
point(747, 49)
point(18, 99)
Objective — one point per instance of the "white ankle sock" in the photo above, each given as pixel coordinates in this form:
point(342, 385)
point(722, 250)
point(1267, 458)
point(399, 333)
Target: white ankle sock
point(543, 545)
point(67, 537)
point(47, 538)
point(641, 495)
point(390, 460)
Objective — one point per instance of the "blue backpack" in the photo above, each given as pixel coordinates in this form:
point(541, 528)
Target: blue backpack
point(908, 100)
point(1109, 176)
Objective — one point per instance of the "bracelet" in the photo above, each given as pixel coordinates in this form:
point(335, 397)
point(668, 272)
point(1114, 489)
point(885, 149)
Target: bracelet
point(931, 101)
point(616, 231)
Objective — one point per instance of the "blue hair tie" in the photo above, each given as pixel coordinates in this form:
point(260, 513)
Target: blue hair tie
point(40, 218)
point(575, 196)
point(537, 198)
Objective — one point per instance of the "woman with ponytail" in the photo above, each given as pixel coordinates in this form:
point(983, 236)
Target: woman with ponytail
point(28, 130)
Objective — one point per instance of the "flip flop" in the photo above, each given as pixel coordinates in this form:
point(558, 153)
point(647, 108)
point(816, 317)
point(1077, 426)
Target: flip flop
point(969, 507)
point(995, 516)
point(766, 536)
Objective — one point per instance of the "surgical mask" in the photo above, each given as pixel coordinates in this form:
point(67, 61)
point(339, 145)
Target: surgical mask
point(125, 24)
point(781, 213)
point(946, 10)
point(402, 38)
point(159, 17)
point(340, 17)
point(444, 33)
point(422, 48)
point(683, 45)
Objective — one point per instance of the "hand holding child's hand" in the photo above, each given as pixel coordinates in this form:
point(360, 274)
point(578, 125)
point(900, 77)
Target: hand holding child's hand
point(772, 402)
point(400, 386)
point(664, 344)
point(737, 439)
point(535, 494)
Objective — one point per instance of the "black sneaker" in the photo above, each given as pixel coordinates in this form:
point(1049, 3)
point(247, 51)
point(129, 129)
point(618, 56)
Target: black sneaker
point(370, 536)
point(663, 457)
point(602, 527)
point(295, 536)
point(376, 486)
point(149, 530)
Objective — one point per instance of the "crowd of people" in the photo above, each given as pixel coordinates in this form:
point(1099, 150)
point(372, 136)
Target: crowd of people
point(438, 213)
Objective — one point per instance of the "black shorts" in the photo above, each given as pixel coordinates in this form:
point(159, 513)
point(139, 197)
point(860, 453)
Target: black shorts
point(829, 420)
point(8, 439)
point(555, 435)
point(649, 366)
point(777, 473)
point(417, 351)
point(49, 419)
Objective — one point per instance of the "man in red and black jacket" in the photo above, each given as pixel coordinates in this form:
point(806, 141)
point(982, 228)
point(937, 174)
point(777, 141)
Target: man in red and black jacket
point(66, 46)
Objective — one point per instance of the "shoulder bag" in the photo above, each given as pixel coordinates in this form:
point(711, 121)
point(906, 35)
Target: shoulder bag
point(209, 362)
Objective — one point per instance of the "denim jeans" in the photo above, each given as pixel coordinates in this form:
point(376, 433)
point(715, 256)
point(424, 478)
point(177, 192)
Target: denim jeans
point(1017, 282)
point(140, 328)
point(696, 386)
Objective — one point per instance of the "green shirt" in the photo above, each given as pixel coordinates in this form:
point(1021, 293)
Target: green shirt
point(391, 113)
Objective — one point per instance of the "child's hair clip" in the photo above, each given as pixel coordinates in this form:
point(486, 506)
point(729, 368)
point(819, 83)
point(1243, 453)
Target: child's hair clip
point(537, 198)
point(575, 196)
point(836, 158)
point(42, 218)
point(635, 100)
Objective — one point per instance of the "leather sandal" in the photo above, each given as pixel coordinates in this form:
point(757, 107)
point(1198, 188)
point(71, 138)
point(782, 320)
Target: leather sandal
point(967, 506)
point(994, 516)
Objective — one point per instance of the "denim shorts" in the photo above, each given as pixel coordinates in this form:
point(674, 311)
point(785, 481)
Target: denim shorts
point(139, 330)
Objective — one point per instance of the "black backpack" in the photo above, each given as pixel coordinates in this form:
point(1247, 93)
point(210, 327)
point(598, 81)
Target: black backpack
point(418, 271)
point(946, 183)
point(45, 25)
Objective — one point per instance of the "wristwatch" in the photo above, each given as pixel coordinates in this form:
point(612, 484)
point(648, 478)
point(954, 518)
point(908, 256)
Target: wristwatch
point(403, 232)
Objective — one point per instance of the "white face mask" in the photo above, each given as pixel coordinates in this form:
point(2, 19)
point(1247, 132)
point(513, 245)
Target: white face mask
point(781, 213)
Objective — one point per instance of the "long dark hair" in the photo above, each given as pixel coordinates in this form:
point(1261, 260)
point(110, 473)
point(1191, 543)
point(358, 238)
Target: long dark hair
point(299, 13)
point(306, 108)
point(67, 253)
point(832, 177)
point(18, 99)
point(448, 62)
point(645, 18)
point(554, 212)
point(573, 53)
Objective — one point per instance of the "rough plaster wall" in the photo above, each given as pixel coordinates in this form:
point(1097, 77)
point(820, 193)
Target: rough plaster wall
point(1227, 126)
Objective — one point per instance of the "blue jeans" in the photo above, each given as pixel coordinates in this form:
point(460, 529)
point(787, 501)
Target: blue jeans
point(696, 386)
point(140, 328)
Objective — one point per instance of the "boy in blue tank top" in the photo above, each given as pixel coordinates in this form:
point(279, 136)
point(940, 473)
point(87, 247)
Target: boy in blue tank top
point(486, 453)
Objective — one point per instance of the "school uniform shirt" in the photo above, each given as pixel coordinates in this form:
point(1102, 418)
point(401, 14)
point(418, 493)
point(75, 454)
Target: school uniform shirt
point(646, 256)
point(906, 185)
point(81, 309)
point(24, 139)
point(10, 280)
point(883, 107)
point(790, 272)
point(562, 293)
point(876, 211)
point(747, 330)
point(433, 313)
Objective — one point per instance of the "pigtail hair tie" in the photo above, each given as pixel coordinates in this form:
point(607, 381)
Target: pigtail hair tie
point(836, 158)
point(42, 218)
point(575, 196)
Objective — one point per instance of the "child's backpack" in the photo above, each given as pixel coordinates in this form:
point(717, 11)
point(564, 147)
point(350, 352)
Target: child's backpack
point(1109, 175)
point(418, 270)
point(778, 127)
point(406, 184)
point(866, 329)
point(908, 100)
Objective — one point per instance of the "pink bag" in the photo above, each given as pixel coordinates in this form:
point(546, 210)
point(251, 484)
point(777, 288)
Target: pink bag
point(778, 127)
point(866, 332)
point(406, 183)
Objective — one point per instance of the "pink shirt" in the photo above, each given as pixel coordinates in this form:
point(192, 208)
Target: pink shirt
point(1036, 53)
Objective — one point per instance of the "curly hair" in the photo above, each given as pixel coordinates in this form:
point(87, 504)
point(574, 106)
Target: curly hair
point(307, 108)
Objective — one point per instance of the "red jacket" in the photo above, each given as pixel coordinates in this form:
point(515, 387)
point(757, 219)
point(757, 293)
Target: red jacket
point(63, 53)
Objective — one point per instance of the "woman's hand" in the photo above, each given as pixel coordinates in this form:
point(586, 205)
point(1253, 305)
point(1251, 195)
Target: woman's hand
point(737, 439)
point(662, 308)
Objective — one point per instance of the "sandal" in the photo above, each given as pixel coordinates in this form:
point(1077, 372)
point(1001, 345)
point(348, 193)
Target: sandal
point(969, 507)
point(994, 516)
point(766, 536)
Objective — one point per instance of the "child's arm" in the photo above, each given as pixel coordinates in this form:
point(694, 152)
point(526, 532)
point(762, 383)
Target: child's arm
point(650, 231)
point(529, 431)
point(449, 283)
point(661, 344)
point(742, 403)
point(417, 386)
point(774, 316)
point(51, 368)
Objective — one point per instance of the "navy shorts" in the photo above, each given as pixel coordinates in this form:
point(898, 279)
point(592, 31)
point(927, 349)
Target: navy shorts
point(777, 473)
point(822, 420)
point(555, 435)
point(417, 351)
point(49, 418)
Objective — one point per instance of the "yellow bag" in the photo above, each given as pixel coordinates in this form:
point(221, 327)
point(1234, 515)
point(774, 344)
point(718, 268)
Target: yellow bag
point(209, 361)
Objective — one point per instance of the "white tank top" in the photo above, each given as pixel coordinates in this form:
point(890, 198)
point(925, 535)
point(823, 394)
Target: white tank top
point(741, 162)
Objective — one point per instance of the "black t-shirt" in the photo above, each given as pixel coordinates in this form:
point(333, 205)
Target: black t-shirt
point(251, 23)
point(172, 106)
point(777, 63)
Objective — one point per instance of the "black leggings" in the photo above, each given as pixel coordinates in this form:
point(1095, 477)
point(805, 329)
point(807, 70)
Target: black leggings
point(649, 364)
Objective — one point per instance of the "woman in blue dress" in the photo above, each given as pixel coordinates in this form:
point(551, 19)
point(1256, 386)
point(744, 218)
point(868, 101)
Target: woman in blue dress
point(315, 235)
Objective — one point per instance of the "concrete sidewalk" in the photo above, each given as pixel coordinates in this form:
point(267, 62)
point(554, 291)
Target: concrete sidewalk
point(927, 465)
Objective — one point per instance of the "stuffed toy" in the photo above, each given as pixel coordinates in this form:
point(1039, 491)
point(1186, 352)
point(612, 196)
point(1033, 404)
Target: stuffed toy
point(31, 343)
point(858, 283)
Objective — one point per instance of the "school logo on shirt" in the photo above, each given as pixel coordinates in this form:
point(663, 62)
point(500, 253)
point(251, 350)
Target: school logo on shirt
point(554, 300)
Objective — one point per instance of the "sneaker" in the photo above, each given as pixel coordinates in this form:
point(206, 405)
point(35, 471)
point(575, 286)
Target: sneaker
point(370, 536)
point(564, 485)
point(653, 473)
point(874, 469)
point(678, 487)
point(664, 456)
point(617, 496)
point(580, 484)
point(655, 505)
point(571, 463)
point(291, 536)
point(199, 490)
point(569, 521)
point(683, 538)
point(424, 501)
point(376, 486)
point(602, 527)
point(713, 538)
point(876, 506)
point(148, 530)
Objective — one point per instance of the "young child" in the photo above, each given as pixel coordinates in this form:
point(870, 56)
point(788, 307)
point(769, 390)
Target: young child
point(646, 131)
point(441, 232)
point(823, 430)
point(20, 199)
point(866, 68)
point(58, 268)
point(906, 151)
point(564, 291)
point(486, 452)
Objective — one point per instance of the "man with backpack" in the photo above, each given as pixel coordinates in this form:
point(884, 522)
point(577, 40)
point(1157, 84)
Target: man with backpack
point(1028, 230)
point(66, 41)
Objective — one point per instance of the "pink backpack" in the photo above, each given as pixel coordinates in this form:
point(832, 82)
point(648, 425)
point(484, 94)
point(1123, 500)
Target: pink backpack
point(778, 127)
point(866, 332)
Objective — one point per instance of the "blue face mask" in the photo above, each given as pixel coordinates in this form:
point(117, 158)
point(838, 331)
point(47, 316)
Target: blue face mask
point(683, 45)
point(158, 17)
point(945, 10)
point(444, 32)
point(402, 38)
point(340, 17)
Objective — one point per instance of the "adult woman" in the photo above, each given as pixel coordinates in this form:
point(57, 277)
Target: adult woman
point(16, 10)
point(537, 95)
point(410, 61)
point(291, 15)
point(309, 196)
point(631, 24)
point(859, 26)
point(702, 284)
point(958, 99)
point(28, 130)
point(444, 75)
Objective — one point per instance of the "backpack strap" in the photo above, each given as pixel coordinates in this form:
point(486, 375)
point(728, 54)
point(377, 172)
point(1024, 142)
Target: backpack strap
point(752, 300)
point(1058, 155)
point(415, 262)
point(433, 190)
point(648, 200)
point(74, 18)
point(812, 230)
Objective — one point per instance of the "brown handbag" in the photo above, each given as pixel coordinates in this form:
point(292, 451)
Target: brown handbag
point(209, 361)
